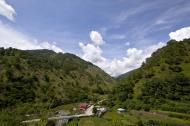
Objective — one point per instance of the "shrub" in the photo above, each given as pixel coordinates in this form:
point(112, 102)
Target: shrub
point(146, 108)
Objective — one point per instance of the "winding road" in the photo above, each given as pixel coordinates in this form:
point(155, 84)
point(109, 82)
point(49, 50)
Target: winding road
point(88, 112)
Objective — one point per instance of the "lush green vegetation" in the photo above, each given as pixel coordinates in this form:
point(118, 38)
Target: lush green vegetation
point(131, 118)
point(39, 80)
point(163, 76)
point(161, 83)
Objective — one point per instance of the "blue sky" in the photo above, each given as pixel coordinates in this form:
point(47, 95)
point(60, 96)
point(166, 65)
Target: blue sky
point(123, 24)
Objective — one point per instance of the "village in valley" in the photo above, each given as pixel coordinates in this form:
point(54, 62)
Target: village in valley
point(76, 111)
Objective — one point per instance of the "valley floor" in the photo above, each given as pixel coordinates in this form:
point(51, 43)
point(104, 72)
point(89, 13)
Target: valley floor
point(134, 118)
point(128, 118)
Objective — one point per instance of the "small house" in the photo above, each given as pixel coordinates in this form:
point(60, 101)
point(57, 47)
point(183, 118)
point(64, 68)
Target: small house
point(99, 110)
point(83, 106)
point(102, 109)
point(121, 110)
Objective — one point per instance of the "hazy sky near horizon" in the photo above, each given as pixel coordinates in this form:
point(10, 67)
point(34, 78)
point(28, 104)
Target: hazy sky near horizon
point(116, 35)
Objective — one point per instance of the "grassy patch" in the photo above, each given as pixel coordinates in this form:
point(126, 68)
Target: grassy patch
point(186, 69)
point(175, 115)
point(132, 118)
point(160, 118)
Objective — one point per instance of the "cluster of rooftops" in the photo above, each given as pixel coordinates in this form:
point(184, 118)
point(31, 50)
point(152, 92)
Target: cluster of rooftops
point(85, 106)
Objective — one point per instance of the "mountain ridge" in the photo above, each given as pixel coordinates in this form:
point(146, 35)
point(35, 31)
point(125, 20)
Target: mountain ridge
point(164, 76)
point(35, 75)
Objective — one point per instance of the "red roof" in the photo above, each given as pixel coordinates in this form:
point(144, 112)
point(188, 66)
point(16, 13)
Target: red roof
point(84, 105)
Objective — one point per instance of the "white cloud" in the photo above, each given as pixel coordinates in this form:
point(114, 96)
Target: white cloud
point(7, 10)
point(181, 34)
point(50, 46)
point(9, 37)
point(96, 37)
point(92, 53)
point(133, 58)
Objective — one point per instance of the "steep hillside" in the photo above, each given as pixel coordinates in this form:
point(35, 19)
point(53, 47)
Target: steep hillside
point(43, 76)
point(164, 76)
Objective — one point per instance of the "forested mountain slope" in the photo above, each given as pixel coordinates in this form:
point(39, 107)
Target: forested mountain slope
point(164, 76)
point(43, 76)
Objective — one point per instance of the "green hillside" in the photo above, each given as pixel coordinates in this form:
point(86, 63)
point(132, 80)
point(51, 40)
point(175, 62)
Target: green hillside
point(156, 94)
point(39, 82)
point(164, 77)
point(50, 78)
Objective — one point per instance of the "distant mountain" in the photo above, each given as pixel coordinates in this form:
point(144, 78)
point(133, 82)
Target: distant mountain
point(165, 75)
point(43, 76)
point(125, 75)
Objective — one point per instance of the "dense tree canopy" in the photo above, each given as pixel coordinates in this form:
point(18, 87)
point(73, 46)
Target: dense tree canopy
point(165, 75)
point(49, 77)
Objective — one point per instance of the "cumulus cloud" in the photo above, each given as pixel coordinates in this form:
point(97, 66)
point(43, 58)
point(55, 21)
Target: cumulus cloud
point(96, 37)
point(133, 58)
point(7, 10)
point(181, 34)
point(9, 37)
point(92, 53)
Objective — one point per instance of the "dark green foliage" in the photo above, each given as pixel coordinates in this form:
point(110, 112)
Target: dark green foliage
point(48, 77)
point(51, 123)
point(158, 123)
point(164, 76)
point(180, 116)
point(174, 88)
point(181, 107)
point(175, 68)
point(123, 91)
